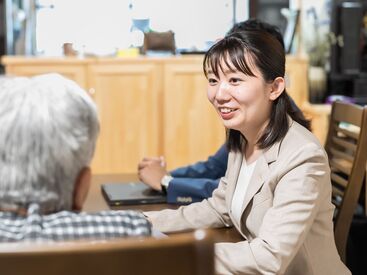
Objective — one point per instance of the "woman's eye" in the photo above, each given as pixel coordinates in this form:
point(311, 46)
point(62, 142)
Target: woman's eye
point(212, 81)
point(235, 80)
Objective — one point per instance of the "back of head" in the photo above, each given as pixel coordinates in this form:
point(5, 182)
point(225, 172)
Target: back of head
point(48, 131)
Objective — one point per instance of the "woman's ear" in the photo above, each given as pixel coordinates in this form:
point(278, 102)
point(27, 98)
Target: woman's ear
point(81, 188)
point(277, 88)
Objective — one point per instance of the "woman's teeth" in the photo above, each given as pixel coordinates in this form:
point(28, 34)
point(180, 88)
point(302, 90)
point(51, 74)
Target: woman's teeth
point(226, 110)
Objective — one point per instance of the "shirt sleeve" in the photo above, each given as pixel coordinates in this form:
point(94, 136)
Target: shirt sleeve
point(213, 168)
point(188, 190)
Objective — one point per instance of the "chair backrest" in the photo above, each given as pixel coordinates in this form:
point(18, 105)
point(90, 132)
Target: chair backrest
point(346, 146)
point(189, 253)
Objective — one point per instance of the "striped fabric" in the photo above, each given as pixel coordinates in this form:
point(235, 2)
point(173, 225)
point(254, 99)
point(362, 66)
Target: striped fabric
point(66, 225)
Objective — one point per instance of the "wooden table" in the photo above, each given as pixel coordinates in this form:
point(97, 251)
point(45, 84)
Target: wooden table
point(95, 202)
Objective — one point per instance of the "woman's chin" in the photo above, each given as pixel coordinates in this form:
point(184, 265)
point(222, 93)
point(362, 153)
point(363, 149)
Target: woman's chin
point(230, 126)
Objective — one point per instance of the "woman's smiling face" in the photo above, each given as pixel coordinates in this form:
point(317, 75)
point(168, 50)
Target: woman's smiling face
point(242, 101)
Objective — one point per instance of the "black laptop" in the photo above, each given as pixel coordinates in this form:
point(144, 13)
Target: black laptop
point(130, 193)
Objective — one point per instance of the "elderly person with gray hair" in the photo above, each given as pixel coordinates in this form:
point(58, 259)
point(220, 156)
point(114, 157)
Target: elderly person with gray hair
point(48, 132)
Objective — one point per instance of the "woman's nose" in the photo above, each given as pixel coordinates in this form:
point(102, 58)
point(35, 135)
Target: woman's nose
point(223, 91)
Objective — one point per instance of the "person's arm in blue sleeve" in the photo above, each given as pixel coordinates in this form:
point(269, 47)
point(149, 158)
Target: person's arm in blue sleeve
point(188, 190)
point(213, 168)
point(187, 184)
point(197, 182)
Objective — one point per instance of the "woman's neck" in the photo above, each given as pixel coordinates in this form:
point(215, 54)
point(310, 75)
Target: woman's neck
point(252, 152)
point(252, 135)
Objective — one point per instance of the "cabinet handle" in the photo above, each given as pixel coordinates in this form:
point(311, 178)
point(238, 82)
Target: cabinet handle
point(92, 91)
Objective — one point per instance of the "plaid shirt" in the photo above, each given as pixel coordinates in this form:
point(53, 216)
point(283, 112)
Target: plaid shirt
point(66, 225)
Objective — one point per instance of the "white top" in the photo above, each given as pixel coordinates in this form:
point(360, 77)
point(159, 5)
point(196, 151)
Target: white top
point(241, 188)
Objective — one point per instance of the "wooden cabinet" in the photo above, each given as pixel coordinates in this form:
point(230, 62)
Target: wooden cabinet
point(192, 129)
point(72, 68)
point(149, 106)
point(296, 79)
point(297, 88)
point(128, 97)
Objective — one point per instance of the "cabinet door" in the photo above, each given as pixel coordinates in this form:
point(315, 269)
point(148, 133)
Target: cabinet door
point(296, 79)
point(192, 129)
point(127, 98)
point(76, 72)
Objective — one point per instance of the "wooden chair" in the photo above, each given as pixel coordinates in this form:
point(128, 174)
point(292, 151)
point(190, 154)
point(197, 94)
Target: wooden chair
point(189, 253)
point(346, 146)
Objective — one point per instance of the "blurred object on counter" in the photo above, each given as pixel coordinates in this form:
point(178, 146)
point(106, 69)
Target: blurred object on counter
point(137, 30)
point(141, 24)
point(69, 50)
point(129, 52)
point(159, 41)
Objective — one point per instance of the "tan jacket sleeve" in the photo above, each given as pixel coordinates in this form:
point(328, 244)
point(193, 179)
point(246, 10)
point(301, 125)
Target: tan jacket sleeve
point(210, 213)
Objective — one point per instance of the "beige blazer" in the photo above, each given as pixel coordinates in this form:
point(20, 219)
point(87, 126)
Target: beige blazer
point(287, 212)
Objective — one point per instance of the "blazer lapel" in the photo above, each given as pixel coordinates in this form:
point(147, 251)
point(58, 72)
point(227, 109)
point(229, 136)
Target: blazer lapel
point(256, 181)
point(233, 176)
point(261, 173)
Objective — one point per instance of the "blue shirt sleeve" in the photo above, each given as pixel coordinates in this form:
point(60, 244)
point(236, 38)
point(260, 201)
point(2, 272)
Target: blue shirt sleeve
point(188, 190)
point(196, 182)
point(213, 168)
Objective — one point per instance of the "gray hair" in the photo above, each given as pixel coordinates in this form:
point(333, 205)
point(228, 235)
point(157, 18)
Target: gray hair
point(48, 131)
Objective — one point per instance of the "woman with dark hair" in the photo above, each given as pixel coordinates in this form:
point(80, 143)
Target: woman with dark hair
point(271, 66)
point(277, 190)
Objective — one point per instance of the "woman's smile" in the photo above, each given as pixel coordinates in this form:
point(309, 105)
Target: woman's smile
point(226, 113)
